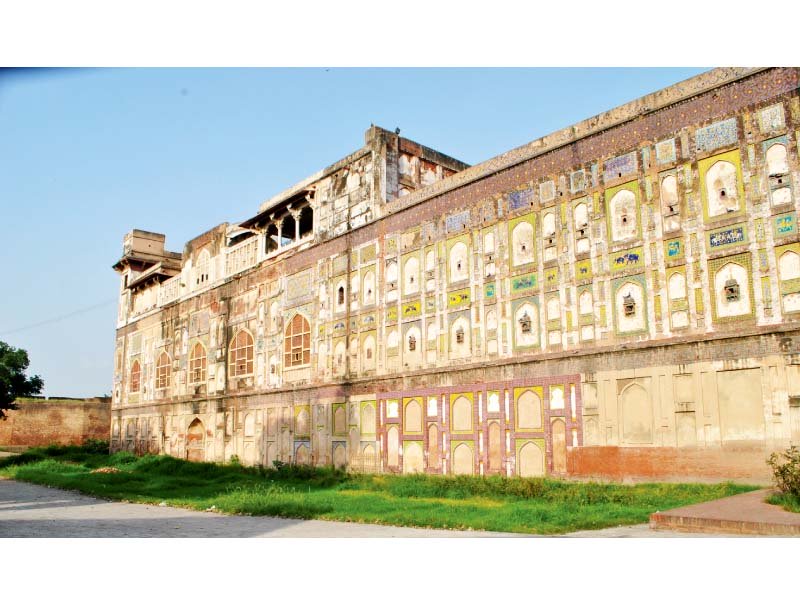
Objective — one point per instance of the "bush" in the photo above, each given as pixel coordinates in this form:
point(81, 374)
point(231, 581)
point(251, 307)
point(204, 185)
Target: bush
point(786, 471)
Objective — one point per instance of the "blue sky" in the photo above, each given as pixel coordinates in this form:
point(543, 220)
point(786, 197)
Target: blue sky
point(86, 155)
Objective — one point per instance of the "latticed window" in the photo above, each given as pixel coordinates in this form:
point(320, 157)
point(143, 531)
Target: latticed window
point(136, 377)
point(240, 358)
point(197, 364)
point(525, 323)
point(162, 371)
point(628, 306)
point(732, 290)
point(297, 344)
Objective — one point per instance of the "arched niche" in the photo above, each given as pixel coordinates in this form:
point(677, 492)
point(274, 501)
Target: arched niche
point(463, 462)
point(367, 419)
point(789, 266)
point(459, 265)
point(677, 286)
point(339, 420)
point(530, 460)
point(777, 160)
point(495, 444)
point(585, 303)
point(624, 217)
point(526, 324)
point(732, 291)
point(558, 431)
point(392, 446)
point(413, 458)
point(412, 417)
point(462, 414)
point(302, 422)
point(369, 288)
point(637, 415)
point(529, 410)
point(434, 448)
point(630, 307)
point(411, 275)
point(195, 441)
point(249, 425)
point(522, 244)
point(722, 191)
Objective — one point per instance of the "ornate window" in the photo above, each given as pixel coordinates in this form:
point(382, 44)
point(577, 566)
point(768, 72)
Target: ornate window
point(628, 305)
point(136, 377)
point(197, 364)
point(412, 343)
point(460, 335)
point(297, 343)
point(162, 371)
point(525, 323)
point(732, 293)
point(240, 359)
point(202, 272)
point(340, 295)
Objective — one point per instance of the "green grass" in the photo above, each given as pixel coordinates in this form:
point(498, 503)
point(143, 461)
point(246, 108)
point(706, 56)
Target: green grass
point(528, 505)
point(789, 502)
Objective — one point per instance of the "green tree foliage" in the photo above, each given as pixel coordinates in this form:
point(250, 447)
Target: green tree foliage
point(13, 381)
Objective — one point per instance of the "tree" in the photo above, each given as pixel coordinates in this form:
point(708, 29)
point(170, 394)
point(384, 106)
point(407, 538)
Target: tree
point(13, 381)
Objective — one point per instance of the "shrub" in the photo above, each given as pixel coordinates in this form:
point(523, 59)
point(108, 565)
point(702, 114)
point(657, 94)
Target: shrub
point(786, 470)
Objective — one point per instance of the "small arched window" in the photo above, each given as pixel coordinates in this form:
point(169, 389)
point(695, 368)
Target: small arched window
point(136, 377)
point(297, 343)
point(197, 364)
point(162, 371)
point(202, 272)
point(340, 295)
point(240, 360)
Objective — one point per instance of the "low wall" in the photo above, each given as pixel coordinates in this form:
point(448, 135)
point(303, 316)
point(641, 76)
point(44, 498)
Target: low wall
point(40, 422)
point(740, 463)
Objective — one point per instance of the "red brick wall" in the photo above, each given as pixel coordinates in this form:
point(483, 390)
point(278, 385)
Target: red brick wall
point(745, 464)
point(42, 422)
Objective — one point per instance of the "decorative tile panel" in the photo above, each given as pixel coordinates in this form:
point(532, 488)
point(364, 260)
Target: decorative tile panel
point(523, 283)
point(619, 166)
point(772, 118)
point(547, 191)
point(727, 237)
point(577, 181)
point(665, 152)
point(784, 225)
point(457, 222)
point(626, 259)
point(458, 298)
point(520, 199)
point(716, 135)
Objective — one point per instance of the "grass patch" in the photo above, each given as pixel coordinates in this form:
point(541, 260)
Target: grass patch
point(529, 505)
point(789, 502)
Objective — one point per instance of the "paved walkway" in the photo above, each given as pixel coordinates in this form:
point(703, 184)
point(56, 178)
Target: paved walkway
point(28, 510)
point(747, 514)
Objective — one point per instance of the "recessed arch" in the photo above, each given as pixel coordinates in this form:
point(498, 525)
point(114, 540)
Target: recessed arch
point(522, 243)
point(722, 188)
point(624, 218)
point(240, 355)
point(459, 262)
point(197, 363)
point(463, 462)
point(297, 342)
point(462, 414)
point(530, 461)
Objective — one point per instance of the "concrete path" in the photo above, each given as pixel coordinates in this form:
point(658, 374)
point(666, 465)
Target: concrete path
point(28, 510)
point(741, 514)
